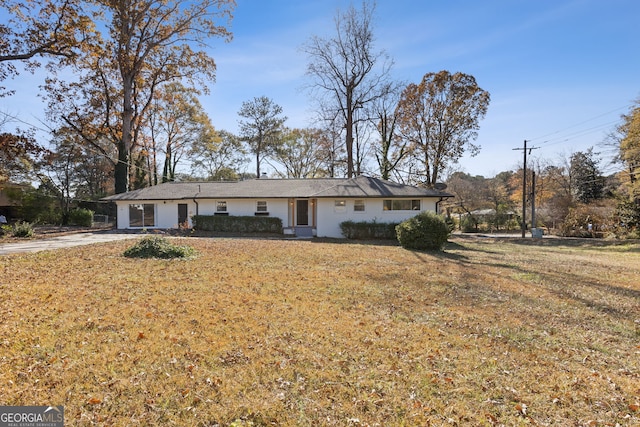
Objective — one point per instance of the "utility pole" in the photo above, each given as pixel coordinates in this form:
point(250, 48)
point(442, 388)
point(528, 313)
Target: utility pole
point(524, 186)
point(533, 200)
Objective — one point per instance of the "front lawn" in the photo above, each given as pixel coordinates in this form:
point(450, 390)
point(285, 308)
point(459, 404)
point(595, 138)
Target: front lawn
point(257, 332)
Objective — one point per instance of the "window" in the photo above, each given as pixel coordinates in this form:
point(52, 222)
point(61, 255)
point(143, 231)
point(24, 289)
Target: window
point(401, 205)
point(358, 205)
point(142, 215)
point(261, 208)
point(221, 206)
point(340, 205)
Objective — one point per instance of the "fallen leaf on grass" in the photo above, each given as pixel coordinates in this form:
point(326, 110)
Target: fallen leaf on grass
point(94, 401)
point(493, 420)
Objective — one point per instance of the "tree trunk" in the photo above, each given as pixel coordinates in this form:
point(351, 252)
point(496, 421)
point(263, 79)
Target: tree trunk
point(166, 170)
point(121, 172)
point(349, 137)
point(124, 146)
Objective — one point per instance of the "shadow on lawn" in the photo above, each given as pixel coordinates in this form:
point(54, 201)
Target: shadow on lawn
point(619, 302)
point(453, 251)
point(429, 256)
point(567, 286)
point(632, 245)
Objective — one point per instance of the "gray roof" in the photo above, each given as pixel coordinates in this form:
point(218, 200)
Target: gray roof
point(360, 187)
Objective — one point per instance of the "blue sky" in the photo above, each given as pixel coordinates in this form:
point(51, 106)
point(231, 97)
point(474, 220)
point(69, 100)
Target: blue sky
point(560, 72)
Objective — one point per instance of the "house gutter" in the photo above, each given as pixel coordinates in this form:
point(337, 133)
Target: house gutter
point(196, 202)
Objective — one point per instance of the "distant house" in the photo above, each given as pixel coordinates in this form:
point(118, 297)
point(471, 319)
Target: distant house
point(307, 207)
point(485, 213)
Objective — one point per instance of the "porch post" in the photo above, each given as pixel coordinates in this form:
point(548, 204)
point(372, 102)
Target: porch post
point(291, 217)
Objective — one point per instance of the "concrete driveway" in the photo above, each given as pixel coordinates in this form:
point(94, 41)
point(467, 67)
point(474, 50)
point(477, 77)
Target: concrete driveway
point(65, 241)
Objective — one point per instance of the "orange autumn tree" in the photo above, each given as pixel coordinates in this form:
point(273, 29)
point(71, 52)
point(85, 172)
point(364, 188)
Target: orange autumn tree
point(630, 149)
point(144, 45)
point(32, 30)
point(439, 117)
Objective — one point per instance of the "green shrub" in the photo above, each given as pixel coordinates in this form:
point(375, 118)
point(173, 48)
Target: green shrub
point(22, 229)
point(368, 230)
point(82, 217)
point(425, 231)
point(51, 216)
point(158, 247)
point(469, 224)
point(237, 224)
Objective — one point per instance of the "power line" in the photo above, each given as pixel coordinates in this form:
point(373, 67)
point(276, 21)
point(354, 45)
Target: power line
point(581, 123)
point(577, 134)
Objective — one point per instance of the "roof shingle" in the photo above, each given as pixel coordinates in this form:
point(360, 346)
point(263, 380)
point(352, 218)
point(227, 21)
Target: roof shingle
point(361, 186)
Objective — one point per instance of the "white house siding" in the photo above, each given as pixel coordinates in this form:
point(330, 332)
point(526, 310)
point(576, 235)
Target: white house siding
point(330, 217)
point(165, 212)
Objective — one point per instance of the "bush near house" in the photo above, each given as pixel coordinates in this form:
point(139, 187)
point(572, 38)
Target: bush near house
point(22, 229)
point(237, 224)
point(425, 231)
point(82, 217)
point(368, 230)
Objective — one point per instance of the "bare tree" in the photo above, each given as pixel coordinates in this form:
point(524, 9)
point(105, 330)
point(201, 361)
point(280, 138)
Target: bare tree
point(391, 149)
point(346, 70)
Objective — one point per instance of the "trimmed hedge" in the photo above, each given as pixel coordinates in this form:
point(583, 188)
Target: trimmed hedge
point(368, 230)
point(237, 224)
point(425, 231)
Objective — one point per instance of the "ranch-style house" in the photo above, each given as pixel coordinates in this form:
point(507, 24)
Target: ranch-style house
point(307, 207)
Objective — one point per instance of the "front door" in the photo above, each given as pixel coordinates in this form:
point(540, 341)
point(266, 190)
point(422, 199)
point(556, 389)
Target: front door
point(182, 213)
point(302, 212)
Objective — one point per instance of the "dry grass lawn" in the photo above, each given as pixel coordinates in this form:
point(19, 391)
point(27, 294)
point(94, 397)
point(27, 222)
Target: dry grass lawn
point(316, 333)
